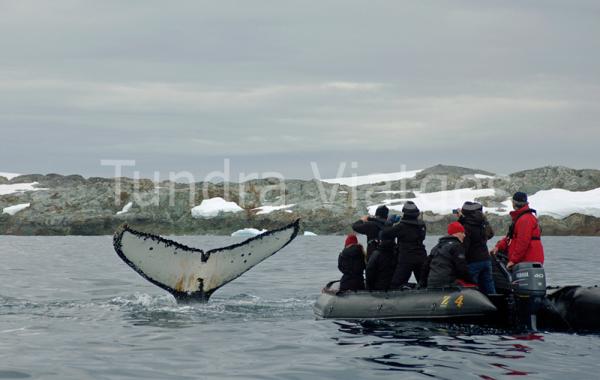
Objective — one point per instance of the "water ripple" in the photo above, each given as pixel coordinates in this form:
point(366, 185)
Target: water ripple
point(59, 321)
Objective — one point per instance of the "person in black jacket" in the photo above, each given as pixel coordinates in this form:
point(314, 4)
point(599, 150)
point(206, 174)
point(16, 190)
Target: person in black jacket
point(381, 265)
point(409, 234)
point(351, 262)
point(446, 263)
point(477, 233)
point(372, 227)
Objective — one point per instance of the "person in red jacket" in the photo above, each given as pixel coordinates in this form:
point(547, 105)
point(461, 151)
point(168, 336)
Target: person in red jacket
point(523, 240)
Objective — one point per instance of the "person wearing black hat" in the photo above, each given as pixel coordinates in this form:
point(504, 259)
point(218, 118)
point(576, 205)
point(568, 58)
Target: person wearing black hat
point(477, 233)
point(523, 240)
point(409, 234)
point(372, 227)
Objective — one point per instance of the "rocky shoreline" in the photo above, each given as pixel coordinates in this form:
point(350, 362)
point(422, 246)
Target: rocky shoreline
point(74, 205)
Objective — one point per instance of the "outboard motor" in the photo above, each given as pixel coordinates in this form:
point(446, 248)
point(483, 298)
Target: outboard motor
point(529, 285)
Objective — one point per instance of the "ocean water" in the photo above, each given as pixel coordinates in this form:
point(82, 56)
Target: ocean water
point(71, 309)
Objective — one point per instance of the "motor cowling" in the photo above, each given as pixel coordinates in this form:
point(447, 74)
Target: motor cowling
point(529, 279)
point(529, 285)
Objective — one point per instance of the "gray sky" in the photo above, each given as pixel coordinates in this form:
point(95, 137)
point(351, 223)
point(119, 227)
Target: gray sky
point(272, 85)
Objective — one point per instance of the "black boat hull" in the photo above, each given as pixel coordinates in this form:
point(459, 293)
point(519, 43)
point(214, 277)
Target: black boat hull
point(423, 304)
point(576, 308)
point(569, 308)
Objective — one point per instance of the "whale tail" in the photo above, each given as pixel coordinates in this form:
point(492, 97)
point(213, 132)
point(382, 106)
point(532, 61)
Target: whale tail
point(191, 274)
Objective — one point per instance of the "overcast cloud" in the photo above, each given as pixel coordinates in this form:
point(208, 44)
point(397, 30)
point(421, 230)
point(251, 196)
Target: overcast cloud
point(273, 85)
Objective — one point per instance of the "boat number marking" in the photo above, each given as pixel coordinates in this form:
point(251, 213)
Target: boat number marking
point(445, 300)
point(459, 301)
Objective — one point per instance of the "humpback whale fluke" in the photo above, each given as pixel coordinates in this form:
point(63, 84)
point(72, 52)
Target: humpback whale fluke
point(190, 273)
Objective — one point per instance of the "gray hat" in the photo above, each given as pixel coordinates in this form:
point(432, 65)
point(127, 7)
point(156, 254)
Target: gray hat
point(410, 209)
point(469, 207)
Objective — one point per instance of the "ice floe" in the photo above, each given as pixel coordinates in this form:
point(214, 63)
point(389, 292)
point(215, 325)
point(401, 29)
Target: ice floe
point(12, 210)
point(209, 208)
point(125, 209)
point(247, 232)
point(269, 209)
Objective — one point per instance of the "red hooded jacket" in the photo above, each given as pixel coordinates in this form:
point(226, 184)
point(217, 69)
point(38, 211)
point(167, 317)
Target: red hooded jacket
point(525, 244)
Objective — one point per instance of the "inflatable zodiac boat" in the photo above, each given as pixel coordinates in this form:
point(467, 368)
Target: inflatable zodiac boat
point(525, 302)
point(452, 304)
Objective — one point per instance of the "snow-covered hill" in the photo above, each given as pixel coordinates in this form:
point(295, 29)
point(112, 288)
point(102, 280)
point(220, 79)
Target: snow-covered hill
point(567, 200)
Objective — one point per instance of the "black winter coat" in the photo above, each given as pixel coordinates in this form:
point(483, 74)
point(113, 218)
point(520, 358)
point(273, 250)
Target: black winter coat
point(477, 233)
point(351, 262)
point(445, 264)
point(381, 266)
point(409, 234)
point(372, 228)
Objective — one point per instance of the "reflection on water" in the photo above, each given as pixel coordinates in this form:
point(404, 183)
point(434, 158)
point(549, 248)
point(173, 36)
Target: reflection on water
point(420, 347)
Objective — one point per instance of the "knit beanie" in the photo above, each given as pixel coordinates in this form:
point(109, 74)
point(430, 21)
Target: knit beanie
point(471, 207)
point(454, 228)
point(520, 197)
point(350, 239)
point(382, 212)
point(410, 210)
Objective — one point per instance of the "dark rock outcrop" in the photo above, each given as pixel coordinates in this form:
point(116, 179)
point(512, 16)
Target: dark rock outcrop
point(76, 205)
point(449, 170)
point(554, 177)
